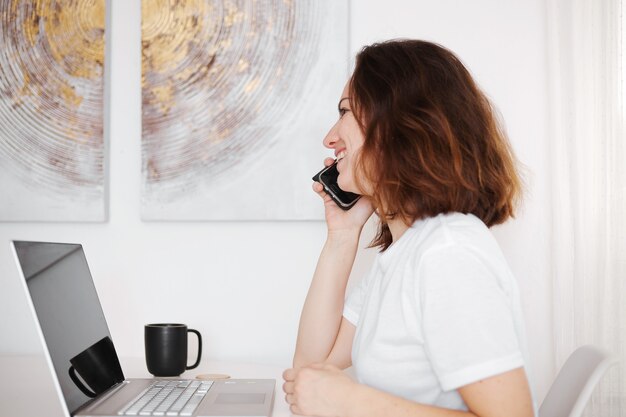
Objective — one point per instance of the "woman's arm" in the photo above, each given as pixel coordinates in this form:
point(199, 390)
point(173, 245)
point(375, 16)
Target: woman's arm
point(321, 316)
point(323, 334)
point(324, 390)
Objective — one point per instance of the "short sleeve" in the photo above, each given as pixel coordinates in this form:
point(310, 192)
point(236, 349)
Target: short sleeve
point(469, 331)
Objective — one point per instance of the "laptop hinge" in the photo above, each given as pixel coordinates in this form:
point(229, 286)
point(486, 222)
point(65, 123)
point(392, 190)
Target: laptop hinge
point(102, 397)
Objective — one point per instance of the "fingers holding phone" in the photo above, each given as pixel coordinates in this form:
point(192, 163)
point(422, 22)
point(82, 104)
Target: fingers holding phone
point(337, 202)
point(318, 187)
point(328, 178)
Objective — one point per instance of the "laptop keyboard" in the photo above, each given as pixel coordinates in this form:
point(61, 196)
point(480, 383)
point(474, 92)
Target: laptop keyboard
point(168, 398)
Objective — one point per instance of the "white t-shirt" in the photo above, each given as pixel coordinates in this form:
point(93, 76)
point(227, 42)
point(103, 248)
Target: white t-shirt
point(440, 309)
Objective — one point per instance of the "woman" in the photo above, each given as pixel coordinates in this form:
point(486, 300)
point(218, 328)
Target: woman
point(436, 328)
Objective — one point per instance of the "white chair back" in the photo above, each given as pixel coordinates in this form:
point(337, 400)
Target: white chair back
point(575, 382)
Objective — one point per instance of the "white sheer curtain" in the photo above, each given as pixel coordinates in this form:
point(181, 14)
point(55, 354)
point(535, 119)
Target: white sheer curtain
point(588, 167)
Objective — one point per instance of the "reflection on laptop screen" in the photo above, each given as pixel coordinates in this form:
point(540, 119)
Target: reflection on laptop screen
point(68, 310)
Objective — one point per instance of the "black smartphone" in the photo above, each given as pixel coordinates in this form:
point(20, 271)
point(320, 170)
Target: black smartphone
point(328, 178)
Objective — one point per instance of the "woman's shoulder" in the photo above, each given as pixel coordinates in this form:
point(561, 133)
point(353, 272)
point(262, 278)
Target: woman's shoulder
point(448, 236)
point(458, 233)
point(459, 249)
point(453, 228)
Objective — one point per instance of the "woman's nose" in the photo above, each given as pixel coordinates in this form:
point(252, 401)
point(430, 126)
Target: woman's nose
point(331, 138)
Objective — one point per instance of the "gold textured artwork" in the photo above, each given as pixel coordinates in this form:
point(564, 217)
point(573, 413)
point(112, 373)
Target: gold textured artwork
point(51, 110)
point(237, 96)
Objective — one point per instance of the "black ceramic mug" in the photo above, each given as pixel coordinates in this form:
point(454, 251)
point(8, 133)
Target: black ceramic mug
point(98, 366)
point(166, 348)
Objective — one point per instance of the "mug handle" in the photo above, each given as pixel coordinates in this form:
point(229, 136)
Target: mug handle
point(195, 365)
point(79, 384)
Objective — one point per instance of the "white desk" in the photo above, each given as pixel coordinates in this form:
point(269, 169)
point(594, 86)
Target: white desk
point(24, 375)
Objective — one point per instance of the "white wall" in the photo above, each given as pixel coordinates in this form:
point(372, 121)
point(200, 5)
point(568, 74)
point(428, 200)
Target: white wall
point(242, 284)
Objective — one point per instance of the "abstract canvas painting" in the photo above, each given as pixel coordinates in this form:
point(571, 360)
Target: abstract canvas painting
point(236, 98)
point(52, 149)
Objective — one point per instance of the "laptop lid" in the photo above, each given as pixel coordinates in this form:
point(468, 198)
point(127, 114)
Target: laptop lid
point(67, 308)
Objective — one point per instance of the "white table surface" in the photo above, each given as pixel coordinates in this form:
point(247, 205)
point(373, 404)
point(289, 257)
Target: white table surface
point(27, 389)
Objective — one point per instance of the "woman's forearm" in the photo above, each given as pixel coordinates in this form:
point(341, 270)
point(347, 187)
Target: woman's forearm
point(323, 307)
point(506, 394)
point(365, 401)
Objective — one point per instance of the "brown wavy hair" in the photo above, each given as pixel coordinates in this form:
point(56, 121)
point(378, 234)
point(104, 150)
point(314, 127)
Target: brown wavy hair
point(433, 143)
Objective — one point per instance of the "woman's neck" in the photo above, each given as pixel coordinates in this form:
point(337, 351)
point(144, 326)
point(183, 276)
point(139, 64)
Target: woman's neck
point(397, 227)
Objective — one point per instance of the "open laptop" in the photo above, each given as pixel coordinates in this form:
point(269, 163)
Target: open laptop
point(83, 360)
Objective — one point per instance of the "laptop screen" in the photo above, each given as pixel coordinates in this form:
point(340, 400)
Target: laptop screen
point(71, 319)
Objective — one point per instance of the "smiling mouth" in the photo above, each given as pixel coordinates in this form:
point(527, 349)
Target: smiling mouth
point(341, 155)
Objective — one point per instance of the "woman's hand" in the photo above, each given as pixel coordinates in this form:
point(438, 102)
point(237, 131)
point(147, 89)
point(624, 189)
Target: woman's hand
point(337, 219)
point(319, 389)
